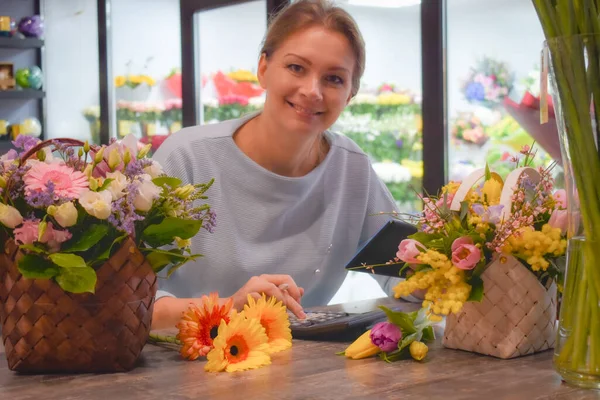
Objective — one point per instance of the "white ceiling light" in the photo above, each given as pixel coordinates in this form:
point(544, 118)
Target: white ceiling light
point(384, 3)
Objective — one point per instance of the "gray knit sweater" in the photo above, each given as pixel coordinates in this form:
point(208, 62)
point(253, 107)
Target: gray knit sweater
point(307, 227)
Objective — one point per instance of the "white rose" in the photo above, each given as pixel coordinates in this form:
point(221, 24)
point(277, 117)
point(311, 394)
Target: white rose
point(10, 216)
point(66, 214)
point(146, 193)
point(97, 204)
point(118, 185)
point(154, 170)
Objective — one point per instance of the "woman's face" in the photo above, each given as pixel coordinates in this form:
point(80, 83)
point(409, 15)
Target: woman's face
point(308, 80)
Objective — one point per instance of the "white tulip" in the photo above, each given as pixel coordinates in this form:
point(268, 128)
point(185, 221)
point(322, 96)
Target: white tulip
point(10, 216)
point(118, 185)
point(146, 193)
point(97, 204)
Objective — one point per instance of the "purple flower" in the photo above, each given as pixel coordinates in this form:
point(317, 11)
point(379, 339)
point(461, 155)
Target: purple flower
point(491, 215)
point(386, 336)
point(399, 143)
point(25, 142)
point(123, 216)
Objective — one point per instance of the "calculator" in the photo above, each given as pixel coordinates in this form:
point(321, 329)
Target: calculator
point(333, 326)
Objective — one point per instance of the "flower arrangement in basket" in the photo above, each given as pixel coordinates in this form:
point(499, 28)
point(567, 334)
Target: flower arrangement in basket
point(488, 83)
point(488, 256)
point(84, 234)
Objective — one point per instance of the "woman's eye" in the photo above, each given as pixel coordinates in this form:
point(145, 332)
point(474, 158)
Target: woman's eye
point(295, 68)
point(335, 80)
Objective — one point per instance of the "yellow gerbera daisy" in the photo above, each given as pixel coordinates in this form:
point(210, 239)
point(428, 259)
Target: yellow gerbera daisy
point(273, 317)
point(199, 325)
point(239, 345)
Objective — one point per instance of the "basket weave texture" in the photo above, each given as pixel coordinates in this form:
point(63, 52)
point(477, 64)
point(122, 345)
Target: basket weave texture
point(516, 317)
point(46, 330)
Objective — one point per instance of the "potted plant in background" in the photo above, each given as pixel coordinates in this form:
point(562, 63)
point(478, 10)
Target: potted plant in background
point(84, 233)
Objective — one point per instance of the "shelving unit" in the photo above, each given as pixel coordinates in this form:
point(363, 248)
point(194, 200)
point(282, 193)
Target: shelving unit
point(13, 43)
point(22, 94)
point(18, 98)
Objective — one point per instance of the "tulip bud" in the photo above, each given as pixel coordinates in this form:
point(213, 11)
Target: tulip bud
point(80, 152)
point(144, 151)
point(114, 159)
point(418, 350)
point(86, 147)
point(2, 182)
point(127, 157)
point(184, 192)
point(93, 184)
point(362, 347)
point(41, 230)
point(51, 210)
point(41, 155)
point(88, 170)
point(99, 156)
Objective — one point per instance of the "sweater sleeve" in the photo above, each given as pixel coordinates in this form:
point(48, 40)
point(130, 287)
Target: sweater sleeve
point(380, 201)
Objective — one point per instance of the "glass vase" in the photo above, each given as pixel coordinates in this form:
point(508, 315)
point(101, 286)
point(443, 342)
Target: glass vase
point(575, 82)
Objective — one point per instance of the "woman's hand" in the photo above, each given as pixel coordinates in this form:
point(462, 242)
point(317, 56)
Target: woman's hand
point(281, 287)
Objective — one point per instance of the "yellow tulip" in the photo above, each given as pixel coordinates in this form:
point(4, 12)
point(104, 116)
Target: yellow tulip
point(418, 350)
point(362, 347)
point(492, 189)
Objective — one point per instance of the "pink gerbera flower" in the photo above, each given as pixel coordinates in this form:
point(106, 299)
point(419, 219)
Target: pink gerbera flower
point(67, 182)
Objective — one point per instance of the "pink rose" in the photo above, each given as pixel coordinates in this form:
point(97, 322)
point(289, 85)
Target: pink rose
point(558, 219)
point(28, 233)
point(560, 196)
point(408, 250)
point(465, 255)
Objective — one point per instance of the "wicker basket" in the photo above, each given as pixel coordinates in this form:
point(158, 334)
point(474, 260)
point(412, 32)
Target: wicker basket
point(517, 315)
point(45, 329)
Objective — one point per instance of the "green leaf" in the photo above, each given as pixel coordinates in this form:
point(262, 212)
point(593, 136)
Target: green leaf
point(400, 319)
point(162, 234)
point(33, 248)
point(407, 340)
point(89, 238)
point(77, 280)
point(167, 181)
point(488, 174)
point(105, 184)
point(175, 267)
point(32, 266)
point(68, 261)
point(476, 289)
point(106, 254)
point(464, 209)
point(340, 353)
point(428, 334)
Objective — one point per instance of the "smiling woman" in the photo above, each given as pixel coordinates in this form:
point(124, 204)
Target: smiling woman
point(294, 199)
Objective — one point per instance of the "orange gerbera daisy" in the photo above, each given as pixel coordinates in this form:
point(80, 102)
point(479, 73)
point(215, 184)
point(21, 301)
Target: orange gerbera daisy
point(199, 325)
point(239, 345)
point(273, 317)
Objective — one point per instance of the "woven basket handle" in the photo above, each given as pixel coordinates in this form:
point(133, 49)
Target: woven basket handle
point(507, 189)
point(50, 142)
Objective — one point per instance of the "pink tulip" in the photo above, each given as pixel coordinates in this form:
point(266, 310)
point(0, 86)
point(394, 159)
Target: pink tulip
point(466, 256)
point(408, 250)
point(460, 241)
point(560, 196)
point(558, 219)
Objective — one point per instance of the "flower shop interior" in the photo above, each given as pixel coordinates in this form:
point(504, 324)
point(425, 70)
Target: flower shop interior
point(449, 84)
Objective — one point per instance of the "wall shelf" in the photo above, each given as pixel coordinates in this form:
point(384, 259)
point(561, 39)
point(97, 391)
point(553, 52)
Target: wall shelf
point(25, 94)
point(28, 43)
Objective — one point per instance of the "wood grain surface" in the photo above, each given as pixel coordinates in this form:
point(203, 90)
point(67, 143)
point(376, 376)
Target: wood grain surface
point(309, 370)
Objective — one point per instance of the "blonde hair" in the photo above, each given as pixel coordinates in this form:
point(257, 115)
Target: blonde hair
point(308, 13)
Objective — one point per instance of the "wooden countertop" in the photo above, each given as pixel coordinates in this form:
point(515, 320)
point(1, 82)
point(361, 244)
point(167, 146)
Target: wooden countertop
point(310, 370)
